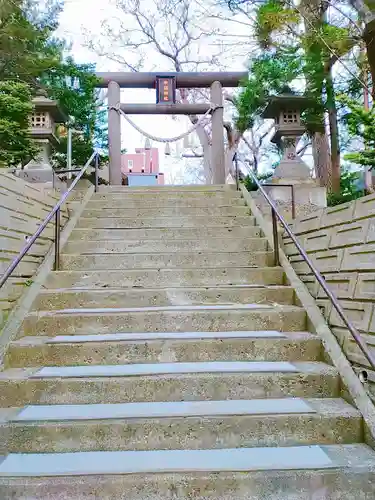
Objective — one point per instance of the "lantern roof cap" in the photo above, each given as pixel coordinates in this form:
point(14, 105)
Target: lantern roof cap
point(288, 100)
point(43, 103)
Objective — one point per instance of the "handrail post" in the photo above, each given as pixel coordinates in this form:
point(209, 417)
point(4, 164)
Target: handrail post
point(275, 238)
point(96, 173)
point(237, 172)
point(56, 266)
point(293, 202)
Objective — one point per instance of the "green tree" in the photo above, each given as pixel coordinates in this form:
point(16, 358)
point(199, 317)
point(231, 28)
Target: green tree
point(268, 74)
point(15, 108)
point(26, 50)
point(361, 124)
point(349, 189)
point(318, 43)
point(74, 87)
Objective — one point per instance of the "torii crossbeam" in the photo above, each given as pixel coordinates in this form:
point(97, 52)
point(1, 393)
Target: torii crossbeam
point(165, 85)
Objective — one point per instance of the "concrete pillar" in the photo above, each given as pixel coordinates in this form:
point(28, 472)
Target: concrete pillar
point(114, 134)
point(217, 149)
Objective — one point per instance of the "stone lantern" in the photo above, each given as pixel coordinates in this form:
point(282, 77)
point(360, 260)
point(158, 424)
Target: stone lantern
point(43, 124)
point(286, 110)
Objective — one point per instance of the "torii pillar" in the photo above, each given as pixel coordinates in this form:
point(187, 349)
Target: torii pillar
point(114, 134)
point(217, 148)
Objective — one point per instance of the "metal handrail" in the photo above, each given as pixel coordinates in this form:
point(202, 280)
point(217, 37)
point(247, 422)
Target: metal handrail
point(322, 282)
point(55, 212)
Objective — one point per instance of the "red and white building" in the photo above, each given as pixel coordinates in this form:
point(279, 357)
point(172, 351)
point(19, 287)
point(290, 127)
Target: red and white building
point(142, 167)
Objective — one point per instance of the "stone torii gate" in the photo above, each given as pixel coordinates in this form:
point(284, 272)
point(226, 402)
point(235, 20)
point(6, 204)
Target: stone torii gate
point(166, 85)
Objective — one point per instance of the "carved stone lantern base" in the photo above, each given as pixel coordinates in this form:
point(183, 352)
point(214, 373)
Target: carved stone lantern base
point(286, 110)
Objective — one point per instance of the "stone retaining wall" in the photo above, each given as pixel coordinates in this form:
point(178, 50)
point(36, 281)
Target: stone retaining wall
point(341, 242)
point(22, 208)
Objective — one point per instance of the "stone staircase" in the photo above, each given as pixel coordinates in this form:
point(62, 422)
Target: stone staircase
point(168, 359)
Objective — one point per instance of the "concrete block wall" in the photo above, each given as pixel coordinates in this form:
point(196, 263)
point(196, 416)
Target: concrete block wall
point(22, 208)
point(341, 242)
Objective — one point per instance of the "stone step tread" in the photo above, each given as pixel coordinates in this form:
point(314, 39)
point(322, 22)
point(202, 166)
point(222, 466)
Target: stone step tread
point(223, 269)
point(264, 294)
point(150, 337)
point(285, 308)
point(207, 197)
point(314, 379)
point(164, 189)
point(154, 461)
point(113, 297)
point(218, 288)
point(174, 260)
point(167, 187)
point(176, 211)
point(168, 193)
point(305, 367)
point(182, 289)
point(164, 278)
point(342, 483)
point(158, 203)
point(164, 221)
point(288, 318)
point(203, 254)
point(124, 349)
point(204, 237)
point(187, 233)
point(165, 245)
point(277, 407)
point(183, 368)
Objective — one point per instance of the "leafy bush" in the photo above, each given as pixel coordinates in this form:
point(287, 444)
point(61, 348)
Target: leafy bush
point(349, 189)
point(250, 184)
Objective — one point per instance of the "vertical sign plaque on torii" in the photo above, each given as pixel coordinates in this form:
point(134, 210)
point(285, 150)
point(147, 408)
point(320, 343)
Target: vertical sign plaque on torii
point(165, 90)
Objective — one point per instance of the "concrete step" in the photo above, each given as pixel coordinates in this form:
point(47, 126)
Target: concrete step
point(152, 348)
point(157, 201)
point(171, 260)
point(346, 480)
point(180, 461)
point(168, 193)
point(167, 187)
point(195, 221)
point(165, 245)
point(161, 319)
point(97, 210)
point(68, 299)
point(165, 278)
point(20, 387)
point(198, 425)
point(184, 233)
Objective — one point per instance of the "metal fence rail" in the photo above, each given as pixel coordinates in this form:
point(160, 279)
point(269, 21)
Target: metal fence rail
point(320, 279)
point(56, 214)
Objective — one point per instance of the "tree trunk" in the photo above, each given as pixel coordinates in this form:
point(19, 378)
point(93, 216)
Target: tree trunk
point(255, 165)
point(367, 16)
point(322, 160)
point(369, 37)
point(205, 144)
point(229, 167)
point(314, 12)
point(203, 139)
point(334, 129)
point(369, 188)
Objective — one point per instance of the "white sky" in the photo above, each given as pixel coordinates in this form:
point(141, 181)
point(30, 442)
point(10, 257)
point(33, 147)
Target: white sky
point(82, 16)
point(86, 15)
